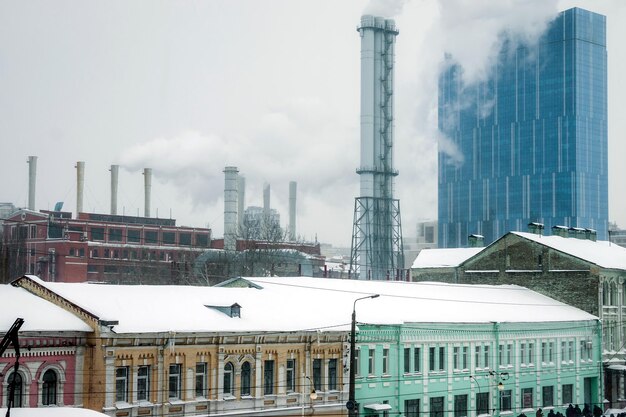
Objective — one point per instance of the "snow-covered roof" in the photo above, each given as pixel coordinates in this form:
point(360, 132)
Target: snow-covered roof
point(51, 412)
point(38, 314)
point(601, 253)
point(443, 258)
point(304, 303)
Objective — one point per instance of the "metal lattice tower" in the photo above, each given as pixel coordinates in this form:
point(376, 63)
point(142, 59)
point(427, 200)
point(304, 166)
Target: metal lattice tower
point(377, 251)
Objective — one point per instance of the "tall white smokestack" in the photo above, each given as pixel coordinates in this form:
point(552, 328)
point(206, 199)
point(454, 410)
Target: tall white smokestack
point(230, 208)
point(266, 209)
point(241, 199)
point(32, 180)
point(115, 169)
point(292, 210)
point(147, 179)
point(80, 186)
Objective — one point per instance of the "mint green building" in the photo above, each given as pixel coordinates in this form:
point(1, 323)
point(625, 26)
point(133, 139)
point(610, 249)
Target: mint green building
point(469, 369)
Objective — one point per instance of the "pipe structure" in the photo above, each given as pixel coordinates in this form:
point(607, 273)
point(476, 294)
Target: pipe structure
point(292, 210)
point(115, 169)
point(80, 186)
point(147, 178)
point(32, 181)
point(241, 199)
point(230, 208)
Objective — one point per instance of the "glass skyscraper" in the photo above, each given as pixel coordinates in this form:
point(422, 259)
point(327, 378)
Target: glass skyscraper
point(531, 138)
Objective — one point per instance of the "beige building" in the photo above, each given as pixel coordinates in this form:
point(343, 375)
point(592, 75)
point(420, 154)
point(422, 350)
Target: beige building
point(182, 351)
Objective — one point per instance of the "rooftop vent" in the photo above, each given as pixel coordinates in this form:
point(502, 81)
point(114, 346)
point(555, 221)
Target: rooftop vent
point(560, 231)
point(476, 241)
point(535, 228)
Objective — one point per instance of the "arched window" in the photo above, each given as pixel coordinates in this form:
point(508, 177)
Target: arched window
point(49, 388)
point(18, 389)
point(228, 378)
point(245, 378)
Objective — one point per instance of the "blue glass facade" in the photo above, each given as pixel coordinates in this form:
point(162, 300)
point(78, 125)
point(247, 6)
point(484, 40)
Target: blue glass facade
point(532, 137)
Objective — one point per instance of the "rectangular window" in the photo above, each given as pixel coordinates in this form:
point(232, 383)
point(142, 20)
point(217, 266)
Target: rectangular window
point(531, 353)
point(482, 403)
point(133, 236)
point(411, 408)
point(317, 374)
point(527, 398)
point(115, 235)
point(523, 353)
point(477, 357)
point(486, 356)
point(544, 352)
point(505, 400)
point(184, 239)
point(151, 237)
point(97, 233)
point(436, 407)
point(291, 375)
point(332, 374)
point(465, 357)
point(174, 381)
point(509, 354)
point(357, 362)
point(268, 377)
point(571, 350)
point(370, 362)
point(202, 241)
point(431, 359)
point(442, 358)
point(121, 383)
point(169, 238)
point(201, 378)
point(551, 352)
point(385, 361)
point(460, 405)
point(143, 383)
point(547, 396)
point(501, 360)
point(417, 359)
point(568, 390)
point(407, 360)
point(564, 357)
point(455, 357)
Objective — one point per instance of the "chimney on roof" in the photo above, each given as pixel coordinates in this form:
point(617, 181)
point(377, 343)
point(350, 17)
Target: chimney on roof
point(591, 234)
point(535, 228)
point(476, 241)
point(32, 180)
point(560, 231)
point(577, 232)
point(115, 169)
point(80, 186)
point(147, 180)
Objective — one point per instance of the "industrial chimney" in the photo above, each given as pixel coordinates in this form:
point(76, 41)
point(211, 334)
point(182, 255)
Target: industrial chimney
point(80, 186)
point(115, 169)
point(230, 208)
point(377, 234)
point(32, 180)
point(241, 199)
point(147, 178)
point(292, 210)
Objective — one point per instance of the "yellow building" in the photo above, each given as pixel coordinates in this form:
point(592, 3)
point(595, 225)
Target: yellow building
point(192, 351)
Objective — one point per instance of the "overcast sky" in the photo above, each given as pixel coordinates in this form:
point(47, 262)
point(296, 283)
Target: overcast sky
point(271, 87)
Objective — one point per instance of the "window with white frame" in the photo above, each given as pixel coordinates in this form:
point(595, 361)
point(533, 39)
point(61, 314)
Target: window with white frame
point(505, 400)
point(432, 360)
point(121, 383)
point(527, 398)
point(174, 381)
point(317, 374)
point(371, 368)
point(357, 362)
point(407, 360)
point(570, 346)
point(442, 358)
point(49, 388)
point(332, 374)
point(486, 361)
point(456, 358)
point(201, 371)
point(465, 357)
point(268, 377)
point(477, 357)
point(143, 383)
point(417, 359)
point(531, 354)
point(564, 352)
point(229, 378)
point(291, 375)
point(385, 361)
point(547, 395)
point(246, 378)
point(585, 350)
point(567, 391)
point(522, 349)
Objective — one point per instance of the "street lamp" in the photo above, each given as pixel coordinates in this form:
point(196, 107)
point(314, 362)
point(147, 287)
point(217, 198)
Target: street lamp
point(351, 405)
